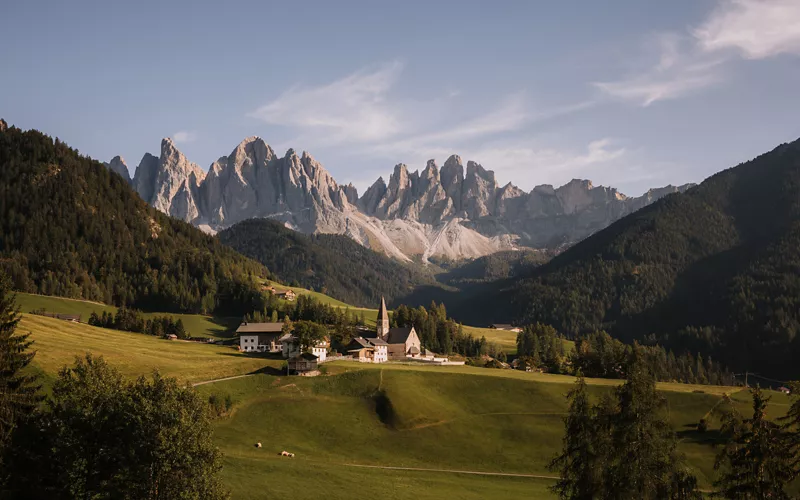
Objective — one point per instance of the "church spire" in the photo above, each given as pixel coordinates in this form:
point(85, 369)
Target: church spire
point(382, 322)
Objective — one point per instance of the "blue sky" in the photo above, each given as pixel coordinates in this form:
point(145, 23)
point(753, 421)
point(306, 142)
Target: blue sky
point(633, 94)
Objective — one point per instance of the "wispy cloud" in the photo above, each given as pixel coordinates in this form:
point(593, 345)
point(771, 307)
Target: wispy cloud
point(184, 136)
point(547, 164)
point(352, 109)
point(757, 29)
point(688, 62)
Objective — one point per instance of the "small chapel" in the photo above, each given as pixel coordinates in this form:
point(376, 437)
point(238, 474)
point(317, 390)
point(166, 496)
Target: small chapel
point(385, 343)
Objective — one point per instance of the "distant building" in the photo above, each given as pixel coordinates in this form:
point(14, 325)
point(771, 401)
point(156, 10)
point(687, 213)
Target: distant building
point(303, 364)
point(260, 337)
point(172, 336)
point(285, 294)
point(505, 327)
point(365, 350)
point(401, 343)
point(290, 347)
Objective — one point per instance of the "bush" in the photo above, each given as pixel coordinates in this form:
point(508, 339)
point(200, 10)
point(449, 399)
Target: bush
point(702, 425)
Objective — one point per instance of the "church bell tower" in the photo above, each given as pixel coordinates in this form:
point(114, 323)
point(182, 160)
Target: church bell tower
point(382, 323)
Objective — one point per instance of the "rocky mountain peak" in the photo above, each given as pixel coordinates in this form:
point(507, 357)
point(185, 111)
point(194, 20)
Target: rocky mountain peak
point(440, 211)
point(118, 165)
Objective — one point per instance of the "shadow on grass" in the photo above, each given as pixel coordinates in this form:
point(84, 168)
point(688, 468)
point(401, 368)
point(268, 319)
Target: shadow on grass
point(269, 370)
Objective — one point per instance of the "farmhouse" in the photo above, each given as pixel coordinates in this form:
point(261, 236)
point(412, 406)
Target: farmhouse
point(303, 364)
point(506, 327)
point(285, 294)
point(260, 337)
point(373, 350)
point(290, 348)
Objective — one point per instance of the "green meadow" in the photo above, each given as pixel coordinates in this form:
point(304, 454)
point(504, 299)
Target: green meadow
point(450, 424)
point(452, 421)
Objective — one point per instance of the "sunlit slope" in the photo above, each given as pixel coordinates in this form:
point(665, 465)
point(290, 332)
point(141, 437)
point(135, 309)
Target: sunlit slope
point(444, 418)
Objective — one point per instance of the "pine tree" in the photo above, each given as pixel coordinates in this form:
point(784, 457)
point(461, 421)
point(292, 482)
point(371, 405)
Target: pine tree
point(579, 462)
point(643, 461)
point(18, 393)
point(757, 461)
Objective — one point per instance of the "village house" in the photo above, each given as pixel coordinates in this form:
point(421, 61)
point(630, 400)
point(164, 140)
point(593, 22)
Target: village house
point(285, 294)
point(260, 337)
point(373, 350)
point(505, 327)
point(303, 364)
point(290, 347)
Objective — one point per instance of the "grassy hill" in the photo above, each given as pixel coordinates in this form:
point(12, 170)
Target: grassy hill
point(58, 342)
point(441, 418)
point(197, 325)
point(396, 415)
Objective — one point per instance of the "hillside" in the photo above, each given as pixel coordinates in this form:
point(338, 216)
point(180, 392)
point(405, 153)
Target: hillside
point(70, 227)
point(713, 270)
point(433, 420)
point(332, 264)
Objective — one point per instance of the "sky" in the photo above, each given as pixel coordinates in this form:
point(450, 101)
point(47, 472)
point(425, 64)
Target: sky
point(632, 94)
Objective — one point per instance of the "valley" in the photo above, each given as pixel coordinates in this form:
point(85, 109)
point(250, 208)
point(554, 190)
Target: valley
point(437, 418)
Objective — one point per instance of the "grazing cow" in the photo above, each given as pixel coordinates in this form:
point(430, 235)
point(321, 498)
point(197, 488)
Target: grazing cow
point(258, 445)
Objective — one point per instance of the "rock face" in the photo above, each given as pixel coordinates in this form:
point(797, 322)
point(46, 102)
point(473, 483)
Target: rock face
point(117, 164)
point(441, 212)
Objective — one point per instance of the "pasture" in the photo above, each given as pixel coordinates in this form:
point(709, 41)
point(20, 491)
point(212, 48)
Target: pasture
point(408, 416)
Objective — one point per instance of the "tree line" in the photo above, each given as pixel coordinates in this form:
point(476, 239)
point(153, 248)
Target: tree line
point(623, 446)
point(131, 320)
point(541, 347)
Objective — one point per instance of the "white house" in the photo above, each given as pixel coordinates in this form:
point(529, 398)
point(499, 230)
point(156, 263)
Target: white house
point(291, 348)
point(259, 337)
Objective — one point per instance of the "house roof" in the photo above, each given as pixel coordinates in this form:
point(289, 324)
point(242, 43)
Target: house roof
point(502, 326)
point(399, 335)
point(359, 343)
point(286, 337)
point(254, 328)
point(377, 341)
point(307, 356)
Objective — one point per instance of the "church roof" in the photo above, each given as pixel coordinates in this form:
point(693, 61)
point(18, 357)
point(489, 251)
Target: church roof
point(399, 335)
point(382, 314)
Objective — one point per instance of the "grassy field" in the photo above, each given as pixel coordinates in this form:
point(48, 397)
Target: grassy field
point(196, 324)
point(441, 418)
point(58, 342)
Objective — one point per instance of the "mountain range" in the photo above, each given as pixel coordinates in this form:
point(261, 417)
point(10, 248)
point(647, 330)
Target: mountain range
point(447, 212)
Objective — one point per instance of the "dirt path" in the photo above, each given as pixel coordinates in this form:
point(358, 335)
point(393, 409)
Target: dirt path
point(476, 473)
point(221, 379)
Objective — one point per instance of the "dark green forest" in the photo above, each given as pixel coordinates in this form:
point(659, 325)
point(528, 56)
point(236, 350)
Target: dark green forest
point(332, 264)
point(70, 227)
point(715, 271)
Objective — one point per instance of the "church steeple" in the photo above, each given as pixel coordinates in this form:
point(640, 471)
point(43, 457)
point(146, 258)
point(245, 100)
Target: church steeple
point(382, 322)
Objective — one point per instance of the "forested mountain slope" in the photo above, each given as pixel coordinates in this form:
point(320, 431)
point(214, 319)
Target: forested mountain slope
point(332, 264)
point(70, 227)
point(714, 270)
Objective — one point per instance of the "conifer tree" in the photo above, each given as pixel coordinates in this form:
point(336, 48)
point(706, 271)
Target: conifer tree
point(579, 462)
point(18, 392)
point(643, 461)
point(756, 461)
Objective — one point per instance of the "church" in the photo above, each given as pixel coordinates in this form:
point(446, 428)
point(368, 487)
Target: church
point(385, 344)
